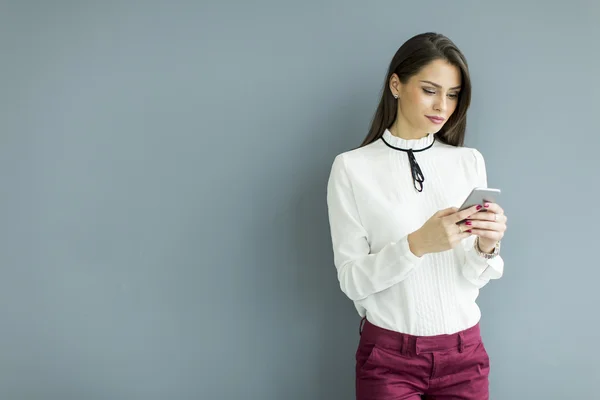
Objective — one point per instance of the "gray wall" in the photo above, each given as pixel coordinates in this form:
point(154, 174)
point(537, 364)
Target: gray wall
point(163, 166)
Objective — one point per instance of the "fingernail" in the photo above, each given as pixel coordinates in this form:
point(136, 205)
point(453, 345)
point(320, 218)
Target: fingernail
point(468, 231)
point(468, 223)
point(487, 205)
point(479, 207)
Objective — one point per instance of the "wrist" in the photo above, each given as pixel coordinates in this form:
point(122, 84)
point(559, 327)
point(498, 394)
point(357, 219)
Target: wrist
point(481, 249)
point(414, 243)
point(485, 247)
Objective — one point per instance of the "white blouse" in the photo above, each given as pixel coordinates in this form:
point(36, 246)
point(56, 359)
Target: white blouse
point(373, 206)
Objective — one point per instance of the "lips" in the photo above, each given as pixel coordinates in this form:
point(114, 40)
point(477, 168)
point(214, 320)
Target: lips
point(436, 120)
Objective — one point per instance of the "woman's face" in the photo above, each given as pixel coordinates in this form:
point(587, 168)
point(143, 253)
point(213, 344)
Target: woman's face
point(429, 98)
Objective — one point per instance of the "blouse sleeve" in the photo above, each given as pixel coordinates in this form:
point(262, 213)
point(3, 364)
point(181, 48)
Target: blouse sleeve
point(360, 272)
point(476, 269)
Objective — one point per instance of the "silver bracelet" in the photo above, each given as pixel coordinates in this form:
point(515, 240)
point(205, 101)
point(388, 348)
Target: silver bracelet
point(487, 255)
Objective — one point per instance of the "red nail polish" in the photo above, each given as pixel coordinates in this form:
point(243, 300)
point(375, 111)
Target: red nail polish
point(487, 205)
point(479, 207)
point(468, 231)
point(468, 223)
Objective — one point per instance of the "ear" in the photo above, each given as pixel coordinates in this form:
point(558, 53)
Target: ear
point(395, 85)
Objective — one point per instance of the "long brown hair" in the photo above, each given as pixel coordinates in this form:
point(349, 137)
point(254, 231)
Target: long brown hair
point(413, 55)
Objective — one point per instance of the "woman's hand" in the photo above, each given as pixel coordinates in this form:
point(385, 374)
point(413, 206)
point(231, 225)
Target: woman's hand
point(489, 226)
point(443, 231)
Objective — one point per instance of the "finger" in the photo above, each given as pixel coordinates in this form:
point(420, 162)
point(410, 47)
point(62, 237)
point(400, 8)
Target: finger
point(463, 227)
point(493, 207)
point(462, 215)
point(485, 225)
point(482, 233)
point(446, 212)
point(488, 216)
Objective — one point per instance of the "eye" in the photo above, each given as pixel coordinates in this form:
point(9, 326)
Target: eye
point(453, 95)
point(428, 91)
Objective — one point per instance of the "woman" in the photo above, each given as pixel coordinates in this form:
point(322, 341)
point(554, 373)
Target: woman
point(408, 259)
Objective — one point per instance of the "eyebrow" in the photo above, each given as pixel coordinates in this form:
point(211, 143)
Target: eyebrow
point(439, 86)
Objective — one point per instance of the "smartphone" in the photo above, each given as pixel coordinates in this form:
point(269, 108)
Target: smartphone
point(478, 196)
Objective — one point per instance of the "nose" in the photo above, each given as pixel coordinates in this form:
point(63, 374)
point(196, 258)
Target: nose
point(441, 105)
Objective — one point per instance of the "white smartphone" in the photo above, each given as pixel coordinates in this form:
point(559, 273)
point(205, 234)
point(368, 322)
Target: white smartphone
point(478, 196)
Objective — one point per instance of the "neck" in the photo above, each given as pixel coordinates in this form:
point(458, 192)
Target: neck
point(402, 129)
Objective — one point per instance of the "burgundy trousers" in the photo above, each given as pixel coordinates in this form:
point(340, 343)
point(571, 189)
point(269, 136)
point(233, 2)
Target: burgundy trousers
point(396, 366)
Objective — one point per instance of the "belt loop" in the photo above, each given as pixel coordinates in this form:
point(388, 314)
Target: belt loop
point(461, 342)
point(360, 327)
point(405, 349)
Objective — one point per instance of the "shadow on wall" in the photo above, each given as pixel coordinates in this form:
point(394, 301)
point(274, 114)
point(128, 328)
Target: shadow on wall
point(316, 324)
point(332, 313)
